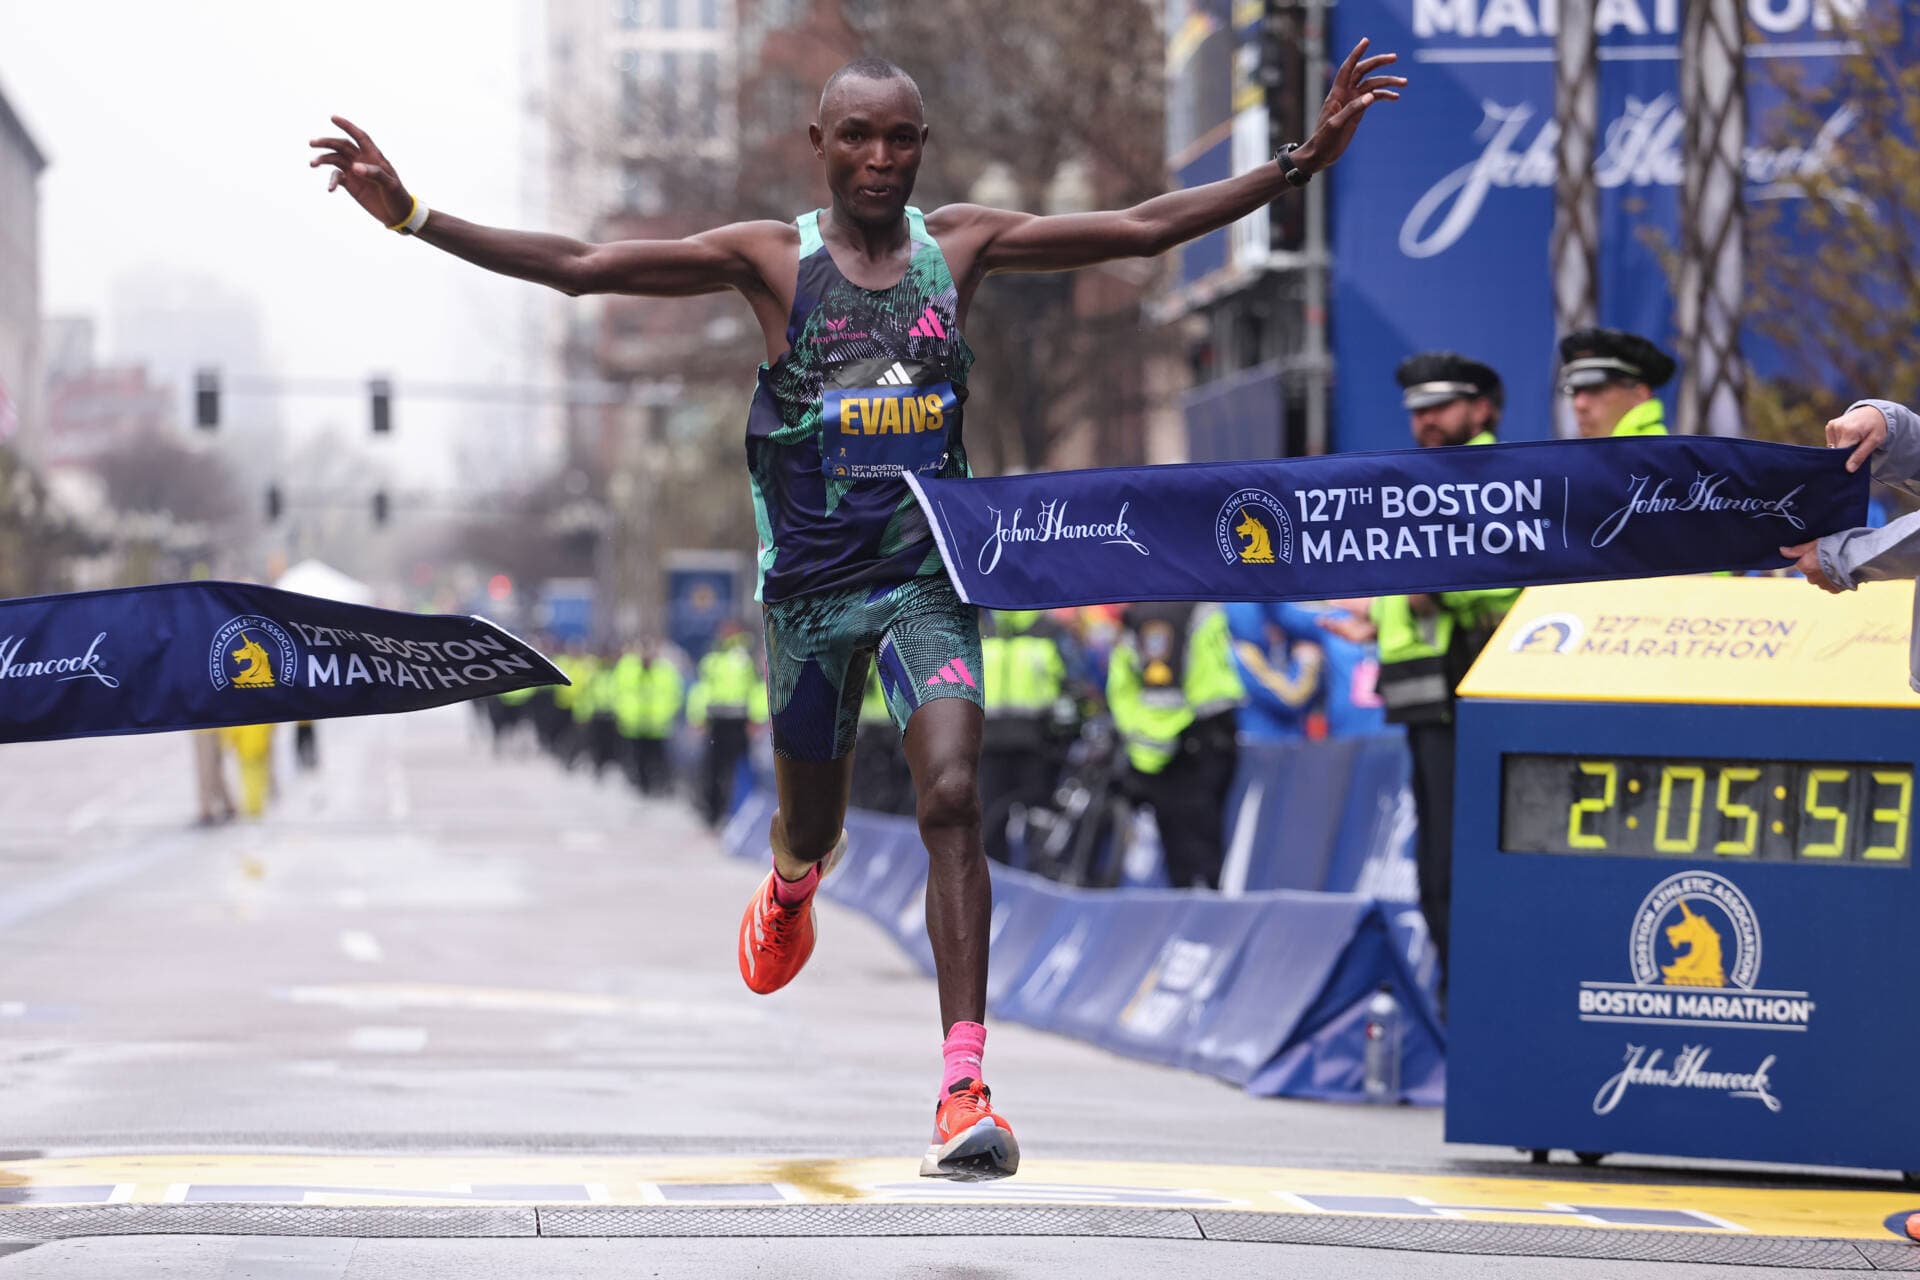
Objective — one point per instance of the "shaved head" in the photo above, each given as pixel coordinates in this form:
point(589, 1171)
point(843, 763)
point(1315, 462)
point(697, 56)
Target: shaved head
point(865, 69)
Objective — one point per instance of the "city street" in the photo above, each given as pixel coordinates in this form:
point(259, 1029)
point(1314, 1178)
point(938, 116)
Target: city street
point(458, 994)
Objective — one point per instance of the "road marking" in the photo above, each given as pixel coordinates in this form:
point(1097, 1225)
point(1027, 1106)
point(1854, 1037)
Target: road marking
point(20, 904)
point(388, 1039)
point(361, 945)
point(1814, 1210)
point(385, 996)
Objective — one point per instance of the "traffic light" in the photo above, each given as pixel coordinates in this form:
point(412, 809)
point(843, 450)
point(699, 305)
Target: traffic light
point(275, 504)
point(380, 507)
point(381, 392)
point(206, 398)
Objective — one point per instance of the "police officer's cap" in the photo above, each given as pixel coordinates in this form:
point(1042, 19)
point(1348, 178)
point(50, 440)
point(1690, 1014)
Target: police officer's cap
point(1437, 377)
point(1595, 357)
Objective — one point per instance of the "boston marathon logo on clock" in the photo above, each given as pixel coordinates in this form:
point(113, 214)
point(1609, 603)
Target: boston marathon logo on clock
point(1694, 951)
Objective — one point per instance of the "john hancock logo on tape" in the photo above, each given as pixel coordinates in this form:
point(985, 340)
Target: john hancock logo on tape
point(252, 652)
point(1253, 528)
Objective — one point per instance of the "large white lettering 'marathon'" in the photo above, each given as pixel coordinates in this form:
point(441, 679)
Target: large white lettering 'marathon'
point(1493, 19)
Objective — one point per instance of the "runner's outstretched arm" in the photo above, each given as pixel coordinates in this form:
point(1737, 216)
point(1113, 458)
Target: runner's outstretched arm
point(1004, 240)
point(704, 263)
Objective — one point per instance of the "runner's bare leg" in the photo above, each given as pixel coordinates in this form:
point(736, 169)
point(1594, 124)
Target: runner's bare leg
point(943, 750)
point(813, 808)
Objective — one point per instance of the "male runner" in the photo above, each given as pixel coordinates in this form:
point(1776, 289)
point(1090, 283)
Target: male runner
point(862, 305)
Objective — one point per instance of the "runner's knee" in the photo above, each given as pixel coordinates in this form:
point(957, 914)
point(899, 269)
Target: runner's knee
point(949, 799)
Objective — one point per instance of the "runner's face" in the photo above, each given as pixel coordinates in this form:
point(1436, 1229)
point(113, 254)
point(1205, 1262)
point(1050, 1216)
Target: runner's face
point(871, 135)
point(1455, 422)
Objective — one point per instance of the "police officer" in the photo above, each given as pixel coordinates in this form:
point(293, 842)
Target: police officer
point(1174, 695)
point(647, 693)
point(723, 702)
point(1024, 674)
point(1611, 376)
point(1427, 642)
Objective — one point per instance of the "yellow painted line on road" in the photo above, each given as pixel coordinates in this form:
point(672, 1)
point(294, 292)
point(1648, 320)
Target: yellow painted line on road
point(718, 1180)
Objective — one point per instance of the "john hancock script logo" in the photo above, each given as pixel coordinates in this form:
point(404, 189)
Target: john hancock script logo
point(1052, 525)
point(79, 666)
point(1644, 497)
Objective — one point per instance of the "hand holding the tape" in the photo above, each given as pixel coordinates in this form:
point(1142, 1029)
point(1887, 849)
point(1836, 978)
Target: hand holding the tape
point(1863, 429)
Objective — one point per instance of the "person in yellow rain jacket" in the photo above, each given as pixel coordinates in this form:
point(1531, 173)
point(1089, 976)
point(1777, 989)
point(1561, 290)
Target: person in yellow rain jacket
point(647, 693)
point(252, 746)
point(1175, 695)
point(728, 696)
point(1023, 674)
point(1611, 376)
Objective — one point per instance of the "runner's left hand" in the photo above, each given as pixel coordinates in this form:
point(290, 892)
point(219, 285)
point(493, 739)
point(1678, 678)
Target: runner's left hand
point(1355, 88)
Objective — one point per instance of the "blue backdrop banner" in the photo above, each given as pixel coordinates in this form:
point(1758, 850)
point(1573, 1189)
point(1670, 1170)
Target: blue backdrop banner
point(1388, 523)
point(195, 655)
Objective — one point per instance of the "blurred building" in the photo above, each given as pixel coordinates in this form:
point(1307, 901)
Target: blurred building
point(1251, 298)
point(21, 164)
point(92, 411)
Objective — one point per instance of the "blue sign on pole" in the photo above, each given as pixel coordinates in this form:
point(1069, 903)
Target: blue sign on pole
point(1442, 215)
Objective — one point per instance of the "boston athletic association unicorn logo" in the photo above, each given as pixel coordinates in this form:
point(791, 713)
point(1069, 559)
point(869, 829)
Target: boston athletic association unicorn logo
point(256, 668)
point(1698, 942)
point(252, 652)
point(1258, 548)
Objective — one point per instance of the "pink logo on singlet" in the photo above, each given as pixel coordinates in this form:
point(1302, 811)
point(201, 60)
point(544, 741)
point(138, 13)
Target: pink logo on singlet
point(954, 672)
point(928, 325)
point(837, 331)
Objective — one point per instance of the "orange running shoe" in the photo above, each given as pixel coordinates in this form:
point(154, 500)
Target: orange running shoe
point(776, 941)
point(1913, 1227)
point(970, 1143)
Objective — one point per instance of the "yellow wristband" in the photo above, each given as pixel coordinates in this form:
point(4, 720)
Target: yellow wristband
point(409, 218)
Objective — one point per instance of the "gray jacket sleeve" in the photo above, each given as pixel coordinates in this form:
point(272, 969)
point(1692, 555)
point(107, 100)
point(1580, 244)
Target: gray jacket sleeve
point(1873, 555)
point(1897, 462)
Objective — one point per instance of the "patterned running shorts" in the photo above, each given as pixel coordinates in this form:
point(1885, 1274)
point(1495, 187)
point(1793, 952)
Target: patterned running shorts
point(926, 641)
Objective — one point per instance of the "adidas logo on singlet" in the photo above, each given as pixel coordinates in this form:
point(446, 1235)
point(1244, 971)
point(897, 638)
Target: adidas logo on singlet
point(928, 326)
point(895, 377)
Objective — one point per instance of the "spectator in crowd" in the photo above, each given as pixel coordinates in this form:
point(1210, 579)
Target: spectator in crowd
point(1174, 695)
point(1611, 376)
point(210, 778)
point(1023, 674)
point(727, 697)
point(1280, 670)
point(1350, 667)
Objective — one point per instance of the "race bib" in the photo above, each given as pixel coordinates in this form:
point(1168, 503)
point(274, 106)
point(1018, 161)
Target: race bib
point(886, 422)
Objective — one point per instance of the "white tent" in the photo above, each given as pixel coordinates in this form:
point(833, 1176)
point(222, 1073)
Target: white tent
point(312, 578)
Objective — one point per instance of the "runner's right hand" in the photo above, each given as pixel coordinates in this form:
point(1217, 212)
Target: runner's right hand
point(368, 176)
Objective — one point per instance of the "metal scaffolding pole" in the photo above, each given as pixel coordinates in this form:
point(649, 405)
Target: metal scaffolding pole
point(1713, 99)
point(1575, 248)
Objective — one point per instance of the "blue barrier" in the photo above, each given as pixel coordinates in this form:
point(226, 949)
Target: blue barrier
point(1283, 834)
point(1266, 990)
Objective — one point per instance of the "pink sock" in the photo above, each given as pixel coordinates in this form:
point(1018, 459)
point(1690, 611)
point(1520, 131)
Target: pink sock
point(965, 1044)
point(794, 893)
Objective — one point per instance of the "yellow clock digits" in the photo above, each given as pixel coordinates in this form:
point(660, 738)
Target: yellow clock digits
point(1745, 844)
point(1577, 835)
point(1696, 779)
point(1900, 817)
point(1833, 813)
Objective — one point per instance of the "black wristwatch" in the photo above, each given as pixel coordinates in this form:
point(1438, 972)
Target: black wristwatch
point(1294, 174)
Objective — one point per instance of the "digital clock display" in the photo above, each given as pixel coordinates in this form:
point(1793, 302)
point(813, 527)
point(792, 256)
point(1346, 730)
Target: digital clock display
point(1808, 811)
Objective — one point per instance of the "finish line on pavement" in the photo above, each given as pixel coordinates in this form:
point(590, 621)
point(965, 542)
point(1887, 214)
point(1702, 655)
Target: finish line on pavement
point(422, 1181)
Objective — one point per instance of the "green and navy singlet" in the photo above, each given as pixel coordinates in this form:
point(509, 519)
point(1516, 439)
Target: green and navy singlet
point(871, 388)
